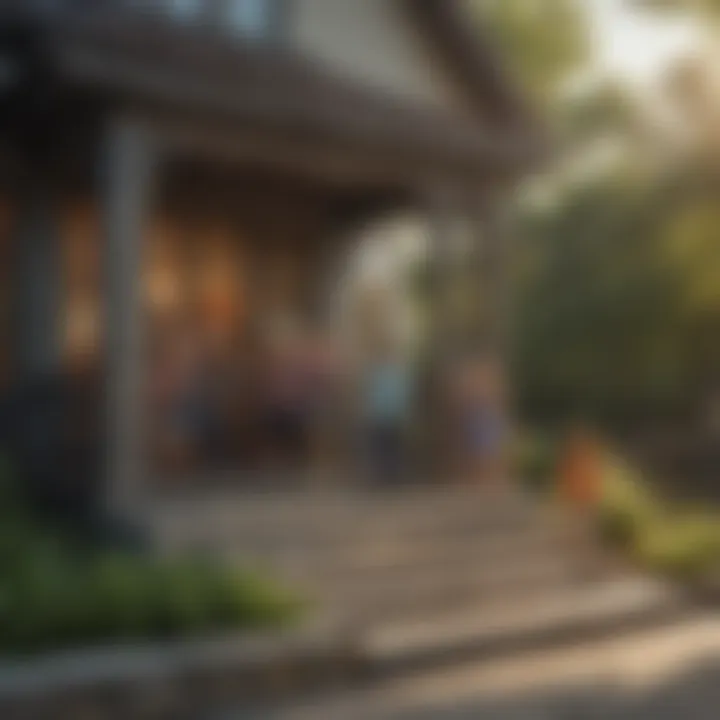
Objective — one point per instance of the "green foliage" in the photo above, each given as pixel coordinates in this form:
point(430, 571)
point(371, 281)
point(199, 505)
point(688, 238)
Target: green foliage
point(618, 300)
point(627, 509)
point(685, 546)
point(544, 40)
point(50, 599)
point(706, 8)
point(536, 460)
point(55, 595)
point(618, 306)
point(9, 496)
point(683, 543)
point(606, 110)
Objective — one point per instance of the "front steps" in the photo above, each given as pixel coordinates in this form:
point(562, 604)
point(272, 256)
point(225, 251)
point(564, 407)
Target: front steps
point(421, 578)
point(406, 583)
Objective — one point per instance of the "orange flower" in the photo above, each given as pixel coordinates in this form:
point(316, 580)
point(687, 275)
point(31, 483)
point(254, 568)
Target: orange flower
point(581, 472)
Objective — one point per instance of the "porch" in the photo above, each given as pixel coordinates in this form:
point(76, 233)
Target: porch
point(181, 203)
point(188, 232)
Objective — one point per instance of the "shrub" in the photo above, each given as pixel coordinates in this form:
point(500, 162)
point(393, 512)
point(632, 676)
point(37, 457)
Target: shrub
point(679, 542)
point(627, 508)
point(55, 594)
point(51, 599)
point(535, 460)
point(684, 547)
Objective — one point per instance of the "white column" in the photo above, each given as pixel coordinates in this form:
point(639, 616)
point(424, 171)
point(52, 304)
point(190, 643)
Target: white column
point(128, 170)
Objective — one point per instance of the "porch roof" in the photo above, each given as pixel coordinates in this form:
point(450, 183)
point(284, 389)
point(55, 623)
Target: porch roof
point(273, 88)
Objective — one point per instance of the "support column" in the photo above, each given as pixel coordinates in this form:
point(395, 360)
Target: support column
point(472, 266)
point(38, 283)
point(496, 287)
point(443, 216)
point(494, 240)
point(128, 171)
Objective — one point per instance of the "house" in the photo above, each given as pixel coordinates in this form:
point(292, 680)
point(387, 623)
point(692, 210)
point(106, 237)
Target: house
point(199, 162)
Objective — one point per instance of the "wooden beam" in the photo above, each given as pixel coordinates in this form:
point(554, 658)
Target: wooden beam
point(319, 157)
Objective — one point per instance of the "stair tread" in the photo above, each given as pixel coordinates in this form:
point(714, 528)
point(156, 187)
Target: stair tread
point(374, 560)
point(445, 577)
point(313, 521)
point(595, 602)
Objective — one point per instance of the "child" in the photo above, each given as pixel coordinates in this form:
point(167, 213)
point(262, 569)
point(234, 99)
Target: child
point(581, 487)
point(483, 429)
point(581, 472)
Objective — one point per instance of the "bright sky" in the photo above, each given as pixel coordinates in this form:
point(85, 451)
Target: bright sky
point(638, 44)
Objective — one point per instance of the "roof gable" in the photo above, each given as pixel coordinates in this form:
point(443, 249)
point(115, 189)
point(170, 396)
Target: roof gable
point(373, 43)
point(429, 51)
point(472, 58)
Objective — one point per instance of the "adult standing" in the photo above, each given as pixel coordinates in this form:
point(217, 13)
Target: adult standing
point(387, 397)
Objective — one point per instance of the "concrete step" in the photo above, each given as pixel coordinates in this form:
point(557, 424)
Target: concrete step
point(275, 524)
point(415, 594)
point(318, 540)
point(486, 630)
point(358, 549)
point(251, 676)
point(381, 557)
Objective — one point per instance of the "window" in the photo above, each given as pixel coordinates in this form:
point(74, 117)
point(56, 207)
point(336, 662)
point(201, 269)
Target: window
point(184, 10)
point(250, 18)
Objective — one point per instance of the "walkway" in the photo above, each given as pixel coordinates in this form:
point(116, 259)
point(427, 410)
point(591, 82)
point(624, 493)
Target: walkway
point(667, 674)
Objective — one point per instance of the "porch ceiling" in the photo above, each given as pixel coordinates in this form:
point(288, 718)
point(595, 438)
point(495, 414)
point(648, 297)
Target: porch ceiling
point(274, 90)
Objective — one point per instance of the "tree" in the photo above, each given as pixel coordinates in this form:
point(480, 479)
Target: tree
point(618, 307)
point(595, 306)
point(543, 40)
point(708, 8)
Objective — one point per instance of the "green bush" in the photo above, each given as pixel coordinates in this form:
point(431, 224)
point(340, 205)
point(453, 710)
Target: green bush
point(54, 594)
point(535, 461)
point(52, 599)
point(627, 508)
point(679, 542)
point(684, 547)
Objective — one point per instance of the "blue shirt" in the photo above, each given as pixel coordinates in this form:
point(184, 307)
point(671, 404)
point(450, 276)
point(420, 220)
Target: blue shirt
point(388, 393)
